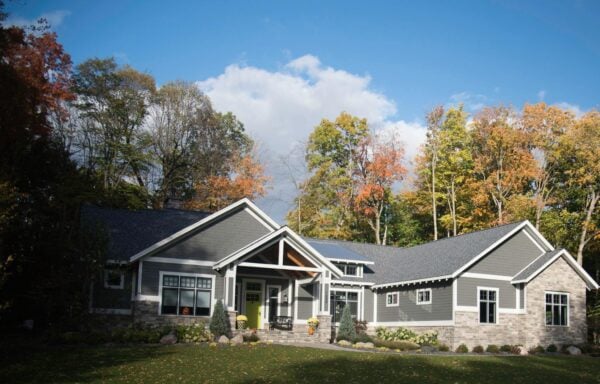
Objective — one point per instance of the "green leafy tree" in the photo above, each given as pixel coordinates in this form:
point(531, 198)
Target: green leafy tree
point(346, 331)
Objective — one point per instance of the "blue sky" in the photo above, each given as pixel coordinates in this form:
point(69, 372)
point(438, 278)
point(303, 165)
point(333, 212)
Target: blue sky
point(282, 65)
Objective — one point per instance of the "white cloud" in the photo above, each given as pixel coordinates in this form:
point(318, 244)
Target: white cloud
point(54, 19)
point(541, 94)
point(473, 102)
point(576, 109)
point(280, 108)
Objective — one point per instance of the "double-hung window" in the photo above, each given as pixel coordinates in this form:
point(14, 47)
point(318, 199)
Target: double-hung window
point(349, 269)
point(114, 279)
point(488, 299)
point(424, 296)
point(186, 295)
point(557, 309)
point(392, 299)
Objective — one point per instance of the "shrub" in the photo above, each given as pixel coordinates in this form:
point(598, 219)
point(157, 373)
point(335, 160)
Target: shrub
point(346, 330)
point(194, 333)
point(402, 345)
point(360, 326)
point(478, 349)
point(552, 348)
point(251, 337)
point(506, 348)
point(492, 348)
point(443, 348)
point(362, 338)
point(462, 349)
point(219, 324)
point(536, 350)
point(515, 349)
point(426, 338)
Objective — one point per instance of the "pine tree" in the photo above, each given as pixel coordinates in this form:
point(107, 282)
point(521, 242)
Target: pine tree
point(219, 323)
point(346, 330)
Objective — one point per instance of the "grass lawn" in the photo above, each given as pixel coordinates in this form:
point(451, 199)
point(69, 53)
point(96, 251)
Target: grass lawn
point(277, 364)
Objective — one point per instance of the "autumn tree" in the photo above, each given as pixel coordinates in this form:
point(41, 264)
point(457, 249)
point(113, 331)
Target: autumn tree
point(378, 167)
point(427, 163)
point(582, 168)
point(546, 125)
point(331, 156)
point(503, 165)
point(46, 262)
point(226, 166)
point(455, 166)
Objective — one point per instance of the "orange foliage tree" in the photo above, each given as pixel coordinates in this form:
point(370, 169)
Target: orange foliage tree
point(379, 166)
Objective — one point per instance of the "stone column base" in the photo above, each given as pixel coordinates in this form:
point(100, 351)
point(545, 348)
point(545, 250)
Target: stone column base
point(324, 329)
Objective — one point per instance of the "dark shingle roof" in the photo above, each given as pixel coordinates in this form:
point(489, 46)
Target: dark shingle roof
point(335, 250)
point(130, 232)
point(535, 265)
point(435, 259)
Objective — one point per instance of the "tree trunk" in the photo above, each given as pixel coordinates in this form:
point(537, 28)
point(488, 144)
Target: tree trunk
point(433, 202)
point(592, 200)
point(453, 209)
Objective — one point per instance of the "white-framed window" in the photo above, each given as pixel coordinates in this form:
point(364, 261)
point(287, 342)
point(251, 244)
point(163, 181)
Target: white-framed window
point(487, 301)
point(392, 299)
point(186, 294)
point(114, 279)
point(338, 299)
point(424, 296)
point(557, 309)
point(350, 269)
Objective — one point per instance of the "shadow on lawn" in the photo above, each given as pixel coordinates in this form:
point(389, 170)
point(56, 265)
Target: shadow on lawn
point(367, 368)
point(38, 363)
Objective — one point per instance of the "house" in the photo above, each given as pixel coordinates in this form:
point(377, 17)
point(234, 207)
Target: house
point(504, 285)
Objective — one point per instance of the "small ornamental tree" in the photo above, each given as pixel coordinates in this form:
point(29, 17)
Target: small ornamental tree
point(346, 330)
point(219, 323)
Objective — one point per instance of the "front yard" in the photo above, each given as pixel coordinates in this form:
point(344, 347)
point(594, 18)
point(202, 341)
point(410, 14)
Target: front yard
point(277, 364)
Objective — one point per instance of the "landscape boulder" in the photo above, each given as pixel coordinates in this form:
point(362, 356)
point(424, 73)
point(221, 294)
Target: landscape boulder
point(168, 339)
point(223, 340)
point(237, 339)
point(573, 350)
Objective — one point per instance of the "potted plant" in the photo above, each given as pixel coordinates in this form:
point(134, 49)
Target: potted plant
point(241, 321)
point(313, 323)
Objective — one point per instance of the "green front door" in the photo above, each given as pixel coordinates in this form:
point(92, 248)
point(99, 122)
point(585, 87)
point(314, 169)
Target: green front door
point(253, 301)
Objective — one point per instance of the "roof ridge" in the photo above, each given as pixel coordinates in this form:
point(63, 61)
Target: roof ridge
point(418, 245)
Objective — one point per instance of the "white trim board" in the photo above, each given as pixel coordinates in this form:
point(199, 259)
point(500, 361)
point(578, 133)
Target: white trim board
point(486, 276)
point(202, 263)
point(336, 260)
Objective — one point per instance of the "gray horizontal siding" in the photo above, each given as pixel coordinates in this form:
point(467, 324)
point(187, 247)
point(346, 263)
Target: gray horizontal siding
point(467, 291)
point(151, 275)
point(305, 301)
point(108, 298)
point(368, 305)
point(408, 310)
point(219, 240)
point(510, 257)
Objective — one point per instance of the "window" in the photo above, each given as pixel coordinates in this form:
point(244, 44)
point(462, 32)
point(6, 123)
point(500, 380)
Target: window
point(114, 279)
point(340, 299)
point(186, 295)
point(391, 299)
point(487, 305)
point(557, 309)
point(349, 269)
point(424, 296)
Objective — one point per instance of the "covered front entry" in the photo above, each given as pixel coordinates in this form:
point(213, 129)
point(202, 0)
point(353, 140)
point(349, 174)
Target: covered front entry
point(279, 280)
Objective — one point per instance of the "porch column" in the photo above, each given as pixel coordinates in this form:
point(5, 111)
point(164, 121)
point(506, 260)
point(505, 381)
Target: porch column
point(230, 277)
point(324, 286)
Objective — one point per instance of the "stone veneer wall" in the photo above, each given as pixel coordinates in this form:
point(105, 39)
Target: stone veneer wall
point(559, 277)
point(508, 330)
